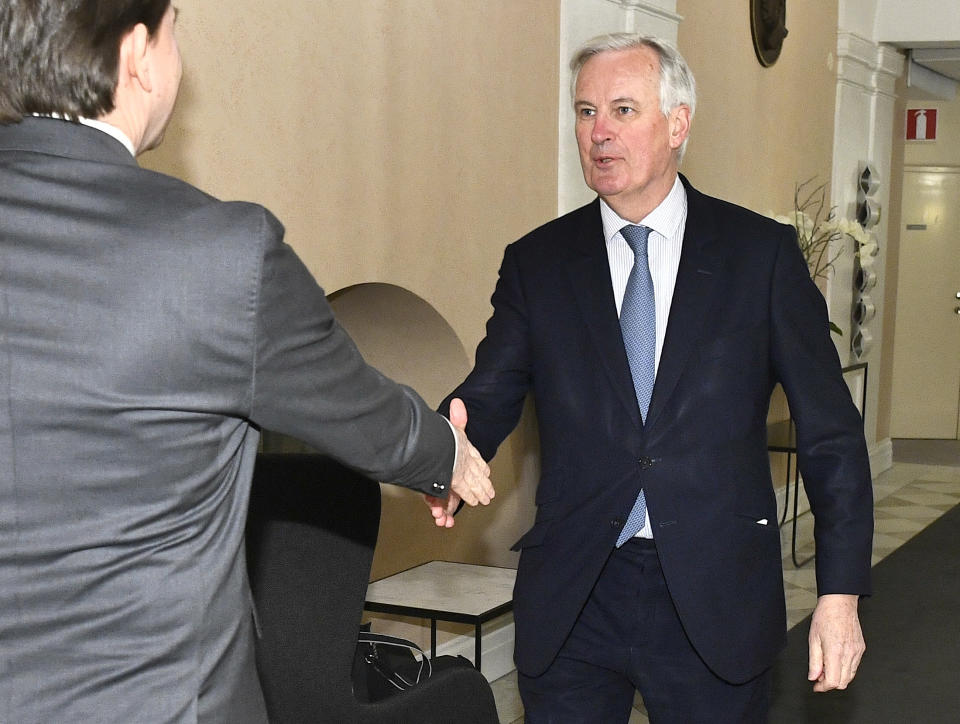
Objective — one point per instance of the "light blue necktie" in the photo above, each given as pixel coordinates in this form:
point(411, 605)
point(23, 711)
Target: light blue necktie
point(638, 323)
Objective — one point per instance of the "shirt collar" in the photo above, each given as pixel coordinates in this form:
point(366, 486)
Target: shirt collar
point(112, 131)
point(664, 219)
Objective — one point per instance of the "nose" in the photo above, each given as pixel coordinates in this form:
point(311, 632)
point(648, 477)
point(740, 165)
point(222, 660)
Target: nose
point(601, 130)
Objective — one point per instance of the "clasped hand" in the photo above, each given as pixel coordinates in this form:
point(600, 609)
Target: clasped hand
point(471, 474)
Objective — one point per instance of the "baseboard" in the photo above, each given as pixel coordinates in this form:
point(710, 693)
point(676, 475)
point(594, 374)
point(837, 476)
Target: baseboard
point(881, 456)
point(496, 648)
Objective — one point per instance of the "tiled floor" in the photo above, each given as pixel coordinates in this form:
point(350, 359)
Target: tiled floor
point(908, 497)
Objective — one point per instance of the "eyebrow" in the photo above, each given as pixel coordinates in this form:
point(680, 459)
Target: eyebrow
point(615, 101)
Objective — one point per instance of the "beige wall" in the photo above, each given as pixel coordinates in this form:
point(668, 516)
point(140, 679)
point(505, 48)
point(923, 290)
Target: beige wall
point(405, 142)
point(402, 142)
point(382, 133)
point(759, 130)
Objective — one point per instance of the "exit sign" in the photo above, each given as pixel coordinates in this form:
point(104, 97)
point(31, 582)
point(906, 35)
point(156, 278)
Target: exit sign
point(922, 124)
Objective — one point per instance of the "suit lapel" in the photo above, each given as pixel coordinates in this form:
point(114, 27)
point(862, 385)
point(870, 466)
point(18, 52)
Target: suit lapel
point(589, 273)
point(697, 284)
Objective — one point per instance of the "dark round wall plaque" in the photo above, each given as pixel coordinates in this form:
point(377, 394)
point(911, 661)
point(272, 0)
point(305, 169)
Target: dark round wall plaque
point(768, 25)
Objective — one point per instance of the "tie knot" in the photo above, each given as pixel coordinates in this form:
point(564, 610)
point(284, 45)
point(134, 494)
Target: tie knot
point(636, 238)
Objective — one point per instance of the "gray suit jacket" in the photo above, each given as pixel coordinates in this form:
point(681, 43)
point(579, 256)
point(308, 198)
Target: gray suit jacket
point(147, 332)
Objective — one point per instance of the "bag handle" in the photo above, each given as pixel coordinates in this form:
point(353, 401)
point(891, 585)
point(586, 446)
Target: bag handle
point(395, 679)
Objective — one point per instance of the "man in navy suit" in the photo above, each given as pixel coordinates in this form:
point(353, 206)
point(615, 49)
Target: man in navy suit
point(689, 610)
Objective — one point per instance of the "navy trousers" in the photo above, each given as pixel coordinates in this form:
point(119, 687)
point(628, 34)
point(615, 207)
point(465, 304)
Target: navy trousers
point(628, 638)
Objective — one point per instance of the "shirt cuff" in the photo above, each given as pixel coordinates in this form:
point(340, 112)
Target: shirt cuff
point(456, 445)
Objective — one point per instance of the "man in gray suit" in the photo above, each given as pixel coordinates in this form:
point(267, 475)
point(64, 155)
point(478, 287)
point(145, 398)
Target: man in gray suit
point(147, 332)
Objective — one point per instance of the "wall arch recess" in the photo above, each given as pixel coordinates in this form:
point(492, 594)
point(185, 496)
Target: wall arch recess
point(408, 340)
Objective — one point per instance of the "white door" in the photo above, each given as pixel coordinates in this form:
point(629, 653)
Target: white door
point(925, 400)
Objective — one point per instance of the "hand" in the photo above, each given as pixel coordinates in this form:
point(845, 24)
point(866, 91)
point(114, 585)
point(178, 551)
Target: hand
point(836, 642)
point(471, 475)
point(443, 510)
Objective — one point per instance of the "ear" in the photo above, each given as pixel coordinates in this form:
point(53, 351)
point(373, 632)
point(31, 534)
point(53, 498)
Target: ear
point(679, 123)
point(135, 57)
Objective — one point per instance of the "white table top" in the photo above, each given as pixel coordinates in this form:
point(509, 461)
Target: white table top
point(444, 586)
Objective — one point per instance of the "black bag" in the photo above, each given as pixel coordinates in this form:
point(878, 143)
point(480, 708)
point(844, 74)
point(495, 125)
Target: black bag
point(384, 665)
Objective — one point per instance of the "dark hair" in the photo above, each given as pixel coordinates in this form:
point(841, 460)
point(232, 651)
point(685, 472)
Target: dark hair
point(61, 56)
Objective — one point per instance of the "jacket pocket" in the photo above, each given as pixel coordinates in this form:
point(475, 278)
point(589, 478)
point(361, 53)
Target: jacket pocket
point(758, 520)
point(533, 537)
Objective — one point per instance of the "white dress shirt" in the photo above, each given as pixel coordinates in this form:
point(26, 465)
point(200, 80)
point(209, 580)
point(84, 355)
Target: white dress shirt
point(666, 222)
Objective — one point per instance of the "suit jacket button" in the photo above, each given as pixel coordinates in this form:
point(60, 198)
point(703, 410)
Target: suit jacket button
point(645, 463)
point(616, 523)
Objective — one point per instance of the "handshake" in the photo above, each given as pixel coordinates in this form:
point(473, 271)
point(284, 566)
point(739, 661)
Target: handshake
point(471, 474)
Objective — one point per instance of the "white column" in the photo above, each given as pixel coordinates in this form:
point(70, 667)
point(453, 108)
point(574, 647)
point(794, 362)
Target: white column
point(581, 20)
point(863, 131)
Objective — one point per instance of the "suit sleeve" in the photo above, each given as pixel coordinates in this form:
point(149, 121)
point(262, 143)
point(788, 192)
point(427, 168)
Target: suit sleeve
point(831, 450)
point(312, 383)
point(495, 390)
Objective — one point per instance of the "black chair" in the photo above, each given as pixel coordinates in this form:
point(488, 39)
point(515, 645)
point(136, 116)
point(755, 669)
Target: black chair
point(311, 533)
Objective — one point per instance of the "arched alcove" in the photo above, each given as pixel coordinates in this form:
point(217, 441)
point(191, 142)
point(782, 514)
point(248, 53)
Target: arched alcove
point(407, 339)
point(403, 336)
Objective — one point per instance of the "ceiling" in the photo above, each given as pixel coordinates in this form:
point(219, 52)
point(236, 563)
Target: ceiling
point(942, 60)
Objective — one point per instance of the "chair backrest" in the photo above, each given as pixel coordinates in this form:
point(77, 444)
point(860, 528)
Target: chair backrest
point(311, 532)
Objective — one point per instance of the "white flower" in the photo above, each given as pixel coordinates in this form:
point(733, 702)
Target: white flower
point(820, 232)
point(806, 226)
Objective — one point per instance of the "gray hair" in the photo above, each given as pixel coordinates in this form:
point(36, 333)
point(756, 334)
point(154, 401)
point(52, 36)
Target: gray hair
point(677, 86)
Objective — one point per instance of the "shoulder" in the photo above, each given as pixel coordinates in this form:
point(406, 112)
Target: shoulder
point(737, 228)
point(196, 218)
point(560, 234)
point(182, 200)
point(210, 248)
point(726, 213)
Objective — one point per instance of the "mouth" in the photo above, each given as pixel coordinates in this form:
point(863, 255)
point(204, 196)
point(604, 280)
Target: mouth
point(604, 161)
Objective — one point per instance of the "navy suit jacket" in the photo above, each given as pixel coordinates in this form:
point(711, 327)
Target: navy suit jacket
point(745, 315)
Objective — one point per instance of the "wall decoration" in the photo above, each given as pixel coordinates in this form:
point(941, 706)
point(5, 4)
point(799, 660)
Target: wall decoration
point(864, 274)
point(768, 25)
point(822, 233)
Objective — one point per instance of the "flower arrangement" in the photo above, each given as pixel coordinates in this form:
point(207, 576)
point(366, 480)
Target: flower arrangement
point(819, 229)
